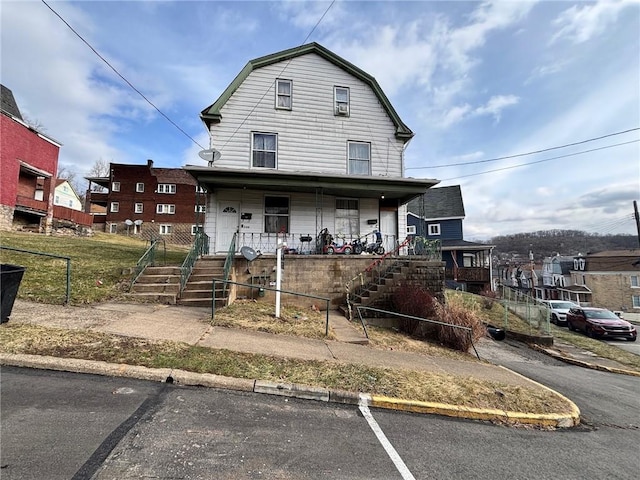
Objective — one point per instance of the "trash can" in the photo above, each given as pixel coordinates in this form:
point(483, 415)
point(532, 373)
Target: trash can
point(10, 278)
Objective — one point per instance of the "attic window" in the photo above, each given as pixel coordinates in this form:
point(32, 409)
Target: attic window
point(341, 101)
point(284, 89)
point(433, 229)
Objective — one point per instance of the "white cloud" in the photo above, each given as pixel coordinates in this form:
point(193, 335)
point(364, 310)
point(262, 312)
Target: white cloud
point(579, 24)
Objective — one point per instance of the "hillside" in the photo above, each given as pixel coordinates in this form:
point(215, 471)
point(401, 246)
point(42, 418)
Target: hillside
point(564, 242)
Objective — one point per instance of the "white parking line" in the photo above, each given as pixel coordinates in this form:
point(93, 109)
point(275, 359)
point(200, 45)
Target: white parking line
point(382, 438)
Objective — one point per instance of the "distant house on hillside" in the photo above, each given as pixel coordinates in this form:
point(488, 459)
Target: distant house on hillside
point(147, 201)
point(65, 196)
point(438, 215)
point(305, 141)
point(28, 162)
point(556, 274)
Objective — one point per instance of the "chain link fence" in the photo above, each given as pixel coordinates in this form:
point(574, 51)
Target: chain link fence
point(535, 315)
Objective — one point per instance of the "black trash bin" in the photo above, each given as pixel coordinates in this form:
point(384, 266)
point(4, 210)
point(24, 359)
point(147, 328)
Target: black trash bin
point(10, 278)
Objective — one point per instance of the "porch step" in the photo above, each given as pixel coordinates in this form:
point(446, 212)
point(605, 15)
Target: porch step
point(152, 297)
point(198, 290)
point(157, 285)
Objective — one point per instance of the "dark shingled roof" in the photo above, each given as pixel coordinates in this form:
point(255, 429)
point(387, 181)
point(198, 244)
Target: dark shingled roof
point(441, 202)
point(173, 175)
point(9, 104)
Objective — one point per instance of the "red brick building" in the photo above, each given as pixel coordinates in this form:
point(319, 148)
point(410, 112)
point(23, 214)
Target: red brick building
point(147, 201)
point(28, 165)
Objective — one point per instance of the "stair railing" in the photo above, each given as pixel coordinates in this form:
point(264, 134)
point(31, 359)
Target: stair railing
point(147, 258)
point(228, 263)
point(200, 247)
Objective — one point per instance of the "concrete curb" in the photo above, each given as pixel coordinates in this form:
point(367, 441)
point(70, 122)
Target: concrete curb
point(581, 363)
point(291, 390)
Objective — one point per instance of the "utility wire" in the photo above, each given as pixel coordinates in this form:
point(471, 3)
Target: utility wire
point(528, 153)
point(121, 76)
point(541, 161)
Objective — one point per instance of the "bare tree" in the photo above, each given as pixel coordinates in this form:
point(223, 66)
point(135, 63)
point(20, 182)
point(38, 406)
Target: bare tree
point(99, 169)
point(34, 123)
point(77, 183)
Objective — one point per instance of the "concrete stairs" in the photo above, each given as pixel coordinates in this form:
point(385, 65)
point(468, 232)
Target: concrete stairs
point(157, 284)
point(198, 291)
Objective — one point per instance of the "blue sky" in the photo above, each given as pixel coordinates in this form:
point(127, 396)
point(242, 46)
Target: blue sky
point(473, 80)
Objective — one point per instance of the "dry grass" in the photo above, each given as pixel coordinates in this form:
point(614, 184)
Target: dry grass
point(423, 386)
point(260, 316)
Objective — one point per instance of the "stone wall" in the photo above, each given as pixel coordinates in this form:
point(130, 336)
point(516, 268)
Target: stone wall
point(612, 290)
point(323, 276)
point(6, 217)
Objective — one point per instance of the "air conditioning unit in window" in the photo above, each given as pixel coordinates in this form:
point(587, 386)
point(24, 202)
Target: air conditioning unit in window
point(342, 109)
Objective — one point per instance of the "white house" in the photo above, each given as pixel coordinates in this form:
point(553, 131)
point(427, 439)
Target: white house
point(65, 196)
point(304, 141)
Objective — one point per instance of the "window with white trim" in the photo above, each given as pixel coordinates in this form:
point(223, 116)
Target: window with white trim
point(165, 229)
point(139, 187)
point(166, 208)
point(70, 203)
point(200, 189)
point(264, 150)
point(166, 188)
point(341, 101)
point(115, 186)
point(433, 229)
point(284, 89)
point(636, 301)
point(196, 228)
point(359, 161)
point(113, 228)
point(634, 281)
point(115, 207)
point(57, 200)
point(138, 208)
point(200, 208)
point(411, 229)
point(276, 214)
point(347, 216)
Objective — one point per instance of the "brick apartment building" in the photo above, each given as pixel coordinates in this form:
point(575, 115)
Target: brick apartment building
point(28, 162)
point(147, 201)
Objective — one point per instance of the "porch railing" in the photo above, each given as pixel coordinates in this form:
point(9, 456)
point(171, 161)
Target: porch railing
point(199, 247)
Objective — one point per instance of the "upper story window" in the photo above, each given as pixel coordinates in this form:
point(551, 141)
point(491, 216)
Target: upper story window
point(284, 89)
point(341, 101)
point(115, 207)
point(165, 208)
point(166, 188)
point(411, 229)
point(115, 186)
point(140, 187)
point(200, 189)
point(165, 230)
point(635, 282)
point(264, 150)
point(359, 162)
point(433, 229)
point(200, 208)
point(139, 207)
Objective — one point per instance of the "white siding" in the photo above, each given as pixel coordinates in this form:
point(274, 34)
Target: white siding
point(310, 136)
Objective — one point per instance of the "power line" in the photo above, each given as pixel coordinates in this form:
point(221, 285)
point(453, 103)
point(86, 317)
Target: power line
point(121, 76)
point(541, 161)
point(527, 153)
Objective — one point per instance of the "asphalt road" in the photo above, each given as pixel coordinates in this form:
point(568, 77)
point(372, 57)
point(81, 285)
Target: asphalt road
point(66, 426)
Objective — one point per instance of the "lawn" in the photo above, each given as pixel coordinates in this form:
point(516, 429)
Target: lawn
point(100, 265)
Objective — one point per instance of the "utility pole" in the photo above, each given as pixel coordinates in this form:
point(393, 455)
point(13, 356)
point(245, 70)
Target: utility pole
point(635, 212)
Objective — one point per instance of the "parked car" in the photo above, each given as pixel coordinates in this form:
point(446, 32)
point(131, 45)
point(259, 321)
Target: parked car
point(600, 322)
point(559, 309)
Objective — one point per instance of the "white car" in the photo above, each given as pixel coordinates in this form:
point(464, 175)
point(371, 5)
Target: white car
point(559, 309)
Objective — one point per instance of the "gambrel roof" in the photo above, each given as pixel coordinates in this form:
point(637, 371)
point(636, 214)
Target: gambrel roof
point(212, 114)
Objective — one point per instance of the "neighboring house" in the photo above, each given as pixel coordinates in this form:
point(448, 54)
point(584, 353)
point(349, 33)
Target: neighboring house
point(28, 162)
point(556, 274)
point(304, 141)
point(147, 201)
point(65, 196)
point(437, 215)
point(609, 279)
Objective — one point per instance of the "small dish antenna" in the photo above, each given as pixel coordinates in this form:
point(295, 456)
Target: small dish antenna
point(128, 222)
point(249, 253)
point(209, 155)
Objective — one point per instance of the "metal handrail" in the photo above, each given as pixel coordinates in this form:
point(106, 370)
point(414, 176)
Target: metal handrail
point(410, 317)
point(228, 262)
point(67, 259)
point(147, 258)
point(261, 287)
point(200, 247)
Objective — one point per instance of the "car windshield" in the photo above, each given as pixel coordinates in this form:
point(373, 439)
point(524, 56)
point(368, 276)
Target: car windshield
point(562, 305)
point(600, 314)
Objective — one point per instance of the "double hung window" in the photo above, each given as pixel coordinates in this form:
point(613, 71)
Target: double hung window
point(264, 150)
point(341, 101)
point(347, 216)
point(165, 208)
point(283, 94)
point(166, 188)
point(276, 214)
point(359, 162)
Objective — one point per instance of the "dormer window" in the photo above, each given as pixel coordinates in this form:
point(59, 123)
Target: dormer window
point(341, 101)
point(284, 90)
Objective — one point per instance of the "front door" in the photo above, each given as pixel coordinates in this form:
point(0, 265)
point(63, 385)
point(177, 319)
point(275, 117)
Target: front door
point(389, 228)
point(228, 224)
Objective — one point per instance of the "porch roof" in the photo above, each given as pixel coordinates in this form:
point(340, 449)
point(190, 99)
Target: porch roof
point(465, 245)
point(400, 190)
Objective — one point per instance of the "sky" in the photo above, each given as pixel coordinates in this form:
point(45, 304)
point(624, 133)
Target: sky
point(475, 82)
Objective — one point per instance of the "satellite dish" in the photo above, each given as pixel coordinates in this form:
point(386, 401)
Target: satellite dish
point(209, 155)
point(249, 253)
point(138, 222)
point(128, 222)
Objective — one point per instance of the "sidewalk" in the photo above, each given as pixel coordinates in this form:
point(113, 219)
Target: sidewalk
point(192, 325)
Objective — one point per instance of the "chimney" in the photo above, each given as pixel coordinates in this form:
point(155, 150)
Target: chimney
point(150, 163)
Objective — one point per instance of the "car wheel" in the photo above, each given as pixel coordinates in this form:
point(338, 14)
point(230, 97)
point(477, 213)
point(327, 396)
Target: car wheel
point(330, 251)
point(589, 332)
point(570, 326)
point(554, 319)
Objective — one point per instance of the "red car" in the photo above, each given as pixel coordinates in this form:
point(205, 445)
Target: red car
point(600, 322)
